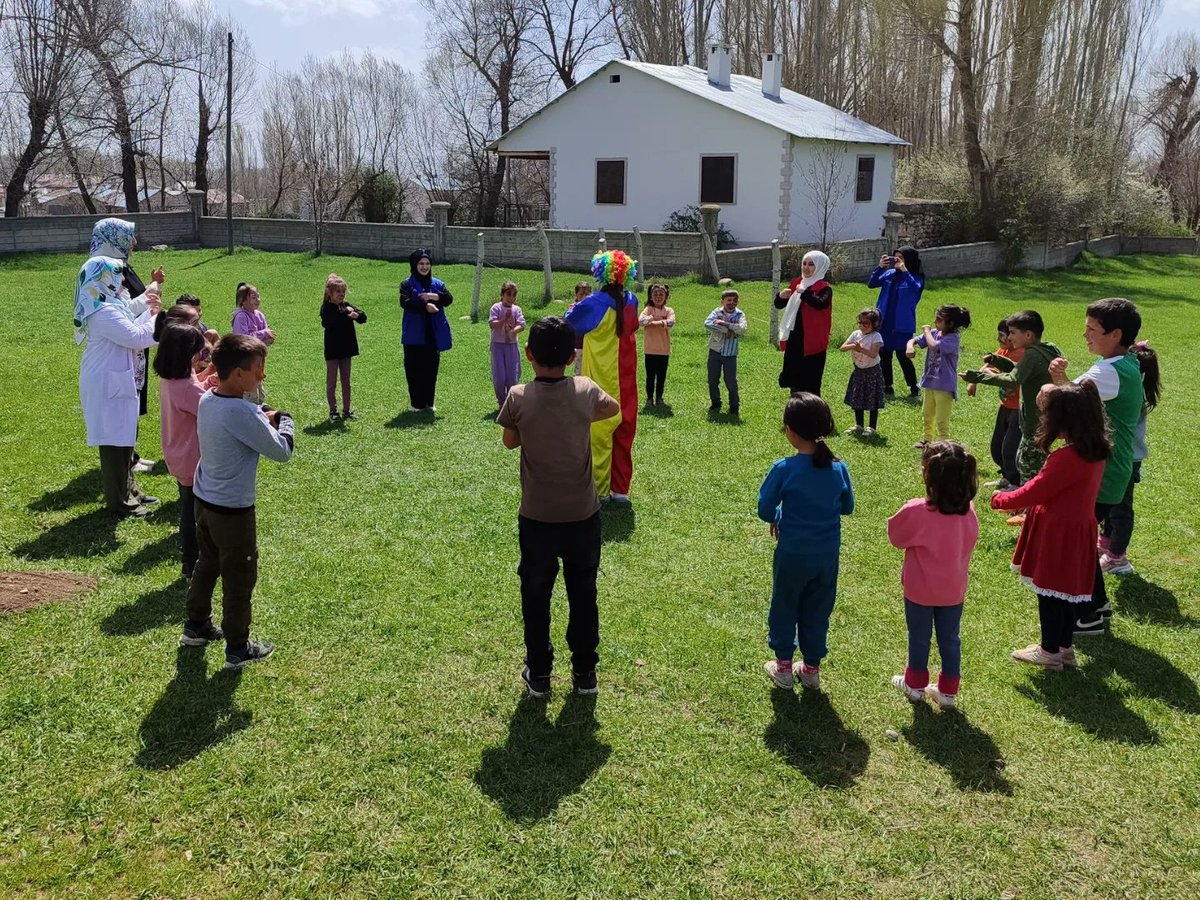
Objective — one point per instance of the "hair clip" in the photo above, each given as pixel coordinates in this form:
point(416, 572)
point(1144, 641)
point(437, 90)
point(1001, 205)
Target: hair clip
point(1142, 345)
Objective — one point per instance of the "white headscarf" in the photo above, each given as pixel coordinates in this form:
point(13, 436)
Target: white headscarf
point(100, 278)
point(788, 321)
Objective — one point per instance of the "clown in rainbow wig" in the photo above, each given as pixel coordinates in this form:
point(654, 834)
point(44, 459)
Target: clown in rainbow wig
point(608, 321)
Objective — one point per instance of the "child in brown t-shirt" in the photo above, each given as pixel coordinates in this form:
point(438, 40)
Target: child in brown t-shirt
point(550, 419)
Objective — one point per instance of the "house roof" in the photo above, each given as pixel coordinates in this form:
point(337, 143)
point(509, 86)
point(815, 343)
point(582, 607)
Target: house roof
point(792, 113)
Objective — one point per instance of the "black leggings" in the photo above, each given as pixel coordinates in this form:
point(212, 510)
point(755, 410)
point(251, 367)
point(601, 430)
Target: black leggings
point(906, 366)
point(858, 418)
point(1057, 617)
point(656, 375)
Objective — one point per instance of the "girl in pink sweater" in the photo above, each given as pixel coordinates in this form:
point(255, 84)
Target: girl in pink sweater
point(937, 533)
point(181, 348)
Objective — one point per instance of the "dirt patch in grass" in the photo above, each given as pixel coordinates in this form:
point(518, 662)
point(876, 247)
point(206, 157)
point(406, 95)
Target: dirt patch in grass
point(20, 591)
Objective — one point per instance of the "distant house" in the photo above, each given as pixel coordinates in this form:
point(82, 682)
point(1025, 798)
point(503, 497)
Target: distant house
point(634, 142)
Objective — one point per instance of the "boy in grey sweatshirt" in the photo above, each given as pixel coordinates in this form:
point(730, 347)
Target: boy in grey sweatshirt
point(233, 434)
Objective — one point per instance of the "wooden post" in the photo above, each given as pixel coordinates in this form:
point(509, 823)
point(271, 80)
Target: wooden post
point(228, 149)
point(547, 273)
point(776, 276)
point(441, 218)
point(641, 258)
point(478, 277)
point(709, 271)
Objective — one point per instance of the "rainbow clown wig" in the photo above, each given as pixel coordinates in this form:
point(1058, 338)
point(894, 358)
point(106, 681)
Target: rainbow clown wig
point(614, 267)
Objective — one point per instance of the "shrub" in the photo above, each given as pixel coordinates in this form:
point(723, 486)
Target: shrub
point(691, 219)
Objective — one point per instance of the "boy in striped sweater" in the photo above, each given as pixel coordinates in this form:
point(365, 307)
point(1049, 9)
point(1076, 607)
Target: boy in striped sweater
point(726, 324)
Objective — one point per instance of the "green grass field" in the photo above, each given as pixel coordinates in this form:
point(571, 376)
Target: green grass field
point(386, 749)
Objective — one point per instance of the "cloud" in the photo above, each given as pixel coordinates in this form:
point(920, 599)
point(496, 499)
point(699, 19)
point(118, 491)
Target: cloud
point(303, 10)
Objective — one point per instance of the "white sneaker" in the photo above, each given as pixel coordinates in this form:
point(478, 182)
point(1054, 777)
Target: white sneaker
point(784, 680)
point(855, 430)
point(620, 498)
point(944, 701)
point(143, 465)
point(868, 431)
point(414, 409)
point(912, 695)
point(810, 676)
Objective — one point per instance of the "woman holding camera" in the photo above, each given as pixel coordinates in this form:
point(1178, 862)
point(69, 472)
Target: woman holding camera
point(901, 281)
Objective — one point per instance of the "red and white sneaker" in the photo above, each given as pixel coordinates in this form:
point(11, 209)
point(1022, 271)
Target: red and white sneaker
point(1115, 565)
point(810, 676)
point(944, 701)
point(911, 694)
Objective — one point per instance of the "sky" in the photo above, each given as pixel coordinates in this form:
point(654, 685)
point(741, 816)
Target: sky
point(283, 32)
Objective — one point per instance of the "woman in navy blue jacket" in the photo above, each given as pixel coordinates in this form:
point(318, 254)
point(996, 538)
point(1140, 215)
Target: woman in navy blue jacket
point(901, 280)
point(425, 331)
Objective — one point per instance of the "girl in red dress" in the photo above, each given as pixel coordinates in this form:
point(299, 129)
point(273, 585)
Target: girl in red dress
point(1056, 552)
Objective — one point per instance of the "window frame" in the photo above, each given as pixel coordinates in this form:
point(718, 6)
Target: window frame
point(624, 161)
point(858, 173)
point(700, 177)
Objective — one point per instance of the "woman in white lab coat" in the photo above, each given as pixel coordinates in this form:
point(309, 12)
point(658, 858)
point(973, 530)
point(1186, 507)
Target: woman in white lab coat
point(117, 329)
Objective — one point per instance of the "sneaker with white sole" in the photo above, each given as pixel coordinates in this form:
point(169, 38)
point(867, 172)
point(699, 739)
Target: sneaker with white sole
point(1092, 626)
point(1115, 565)
point(785, 680)
point(944, 701)
point(538, 685)
point(622, 499)
point(200, 635)
point(143, 465)
point(869, 431)
point(911, 694)
point(1034, 655)
point(857, 429)
point(585, 682)
point(252, 651)
point(1068, 658)
point(810, 676)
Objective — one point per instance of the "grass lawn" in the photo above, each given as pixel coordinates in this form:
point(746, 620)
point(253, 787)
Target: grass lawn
point(386, 749)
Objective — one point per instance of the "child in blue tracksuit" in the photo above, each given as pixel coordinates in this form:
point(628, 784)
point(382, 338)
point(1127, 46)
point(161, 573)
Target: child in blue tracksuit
point(804, 498)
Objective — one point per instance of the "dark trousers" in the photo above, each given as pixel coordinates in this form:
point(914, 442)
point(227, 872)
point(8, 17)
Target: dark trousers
point(228, 545)
point(811, 372)
point(421, 372)
point(906, 367)
point(542, 544)
point(1090, 610)
point(1006, 436)
point(858, 418)
point(803, 590)
point(656, 375)
point(187, 529)
point(1118, 527)
point(116, 473)
point(1057, 617)
point(922, 622)
point(719, 365)
point(333, 368)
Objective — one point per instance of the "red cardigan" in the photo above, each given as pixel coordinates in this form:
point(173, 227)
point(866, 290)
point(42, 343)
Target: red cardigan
point(817, 323)
point(1056, 552)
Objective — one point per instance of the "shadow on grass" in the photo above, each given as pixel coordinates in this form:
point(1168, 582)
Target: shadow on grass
point(490, 416)
point(808, 733)
point(718, 417)
point(91, 533)
point(1149, 673)
point(424, 418)
point(84, 488)
point(149, 611)
point(1145, 601)
point(194, 713)
point(658, 411)
point(949, 739)
point(1082, 696)
point(542, 761)
point(617, 522)
point(149, 556)
point(206, 260)
point(325, 427)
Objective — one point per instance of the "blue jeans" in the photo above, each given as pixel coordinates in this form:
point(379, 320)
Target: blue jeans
point(921, 621)
point(803, 589)
point(719, 365)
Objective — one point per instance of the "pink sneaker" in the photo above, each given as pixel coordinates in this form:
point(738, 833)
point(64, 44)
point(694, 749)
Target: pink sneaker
point(912, 695)
point(1068, 658)
point(1034, 655)
point(1115, 565)
point(1103, 543)
point(810, 676)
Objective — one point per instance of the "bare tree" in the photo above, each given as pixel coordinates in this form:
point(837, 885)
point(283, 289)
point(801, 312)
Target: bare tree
point(828, 181)
point(567, 34)
point(1174, 114)
point(38, 43)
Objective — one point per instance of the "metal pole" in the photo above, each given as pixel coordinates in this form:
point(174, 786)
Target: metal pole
point(229, 148)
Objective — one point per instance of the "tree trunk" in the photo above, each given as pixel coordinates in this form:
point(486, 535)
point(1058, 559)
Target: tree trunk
point(73, 162)
point(124, 131)
point(39, 118)
point(201, 166)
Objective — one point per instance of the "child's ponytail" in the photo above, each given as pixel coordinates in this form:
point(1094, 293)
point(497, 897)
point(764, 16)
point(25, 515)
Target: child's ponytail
point(1151, 378)
point(955, 318)
point(808, 416)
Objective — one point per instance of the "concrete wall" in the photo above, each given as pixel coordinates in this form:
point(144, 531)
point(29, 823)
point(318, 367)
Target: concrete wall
point(73, 234)
point(343, 238)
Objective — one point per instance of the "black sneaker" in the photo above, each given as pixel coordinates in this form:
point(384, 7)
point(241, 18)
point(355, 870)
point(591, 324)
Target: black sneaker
point(715, 407)
point(914, 391)
point(334, 418)
point(539, 685)
point(349, 416)
point(585, 682)
point(735, 411)
point(198, 635)
point(1090, 626)
point(251, 651)
point(1106, 611)
point(888, 389)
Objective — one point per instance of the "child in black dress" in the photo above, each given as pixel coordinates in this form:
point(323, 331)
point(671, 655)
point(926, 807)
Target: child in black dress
point(341, 344)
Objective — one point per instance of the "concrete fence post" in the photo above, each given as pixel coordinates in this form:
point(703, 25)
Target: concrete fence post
point(776, 278)
point(547, 272)
point(891, 230)
point(478, 277)
point(196, 206)
point(441, 218)
point(1085, 233)
point(601, 241)
point(710, 213)
point(640, 256)
point(1119, 231)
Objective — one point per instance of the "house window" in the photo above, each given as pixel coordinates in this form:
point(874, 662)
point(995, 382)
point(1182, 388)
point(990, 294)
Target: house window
point(610, 181)
point(717, 177)
point(865, 188)
point(614, 79)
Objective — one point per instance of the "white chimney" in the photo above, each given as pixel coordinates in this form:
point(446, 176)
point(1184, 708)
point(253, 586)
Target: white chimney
point(772, 74)
point(718, 64)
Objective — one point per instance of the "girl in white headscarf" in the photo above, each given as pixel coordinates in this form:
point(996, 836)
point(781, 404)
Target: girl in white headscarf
point(804, 327)
point(117, 328)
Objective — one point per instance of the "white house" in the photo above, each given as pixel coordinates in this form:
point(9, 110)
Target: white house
point(633, 142)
